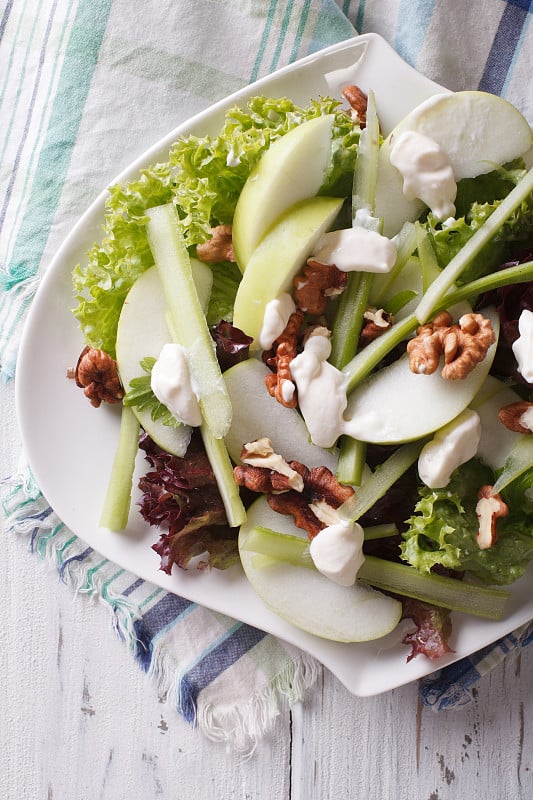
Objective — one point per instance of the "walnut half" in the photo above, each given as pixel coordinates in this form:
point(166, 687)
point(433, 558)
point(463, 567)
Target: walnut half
point(490, 507)
point(97, 374)
point(463, 345)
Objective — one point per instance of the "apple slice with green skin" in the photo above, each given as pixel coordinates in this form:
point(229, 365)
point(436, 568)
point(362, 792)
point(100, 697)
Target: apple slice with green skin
point(306, 598)
point(257, 414)
point(142, 332)
point(292, 169)
point(477, 130)
point(496, 441)
point(396, 405)
point(278, 259)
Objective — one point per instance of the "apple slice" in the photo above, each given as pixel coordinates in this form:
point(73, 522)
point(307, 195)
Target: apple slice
point(257, 414)
point(396, 405)
point(477, 130)
point(496, 441)
point(292, 169)
point(306, 598)
point(280, 256)
point(142, 332)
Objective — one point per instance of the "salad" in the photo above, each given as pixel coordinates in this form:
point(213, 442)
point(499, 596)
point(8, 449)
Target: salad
point(313, 333)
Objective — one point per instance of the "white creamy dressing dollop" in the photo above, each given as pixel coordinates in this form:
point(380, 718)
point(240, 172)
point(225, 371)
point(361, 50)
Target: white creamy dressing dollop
point(523, 346)
point(173, 386)
point(277, 313)
point(426, 171)
point(321, 389)
point(454, 444)
point(356, 249)
point(337, 551)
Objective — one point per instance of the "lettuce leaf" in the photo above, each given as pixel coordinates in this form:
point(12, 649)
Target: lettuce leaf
point(442, 531)
point(476, 199)
point(203, 177)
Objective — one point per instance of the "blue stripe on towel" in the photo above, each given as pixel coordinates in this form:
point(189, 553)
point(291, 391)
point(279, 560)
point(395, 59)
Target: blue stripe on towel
point(153, 621)
point(504, 47)
point(217, 659)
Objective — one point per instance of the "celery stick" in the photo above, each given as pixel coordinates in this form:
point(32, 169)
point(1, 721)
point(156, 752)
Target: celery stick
point(366, 166)
point(522, 273)
point(434, 295)
point(381, 480)
point(428, 260)
point(401, 579)
point(364, 362)
point(222, 467)
point(406, 241)
point(117, 501)
point(351, 461)
point(349, 317)
point(188, 321)
point(519, 459)
point(456, 595)
point(384, 531)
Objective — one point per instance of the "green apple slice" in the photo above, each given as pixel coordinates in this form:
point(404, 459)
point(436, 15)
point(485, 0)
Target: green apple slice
point(257, 414)
point(496, 441)
point(292, 169)
point(309, 600)
point(396, 405)
point(278, 259)
point(477, 130)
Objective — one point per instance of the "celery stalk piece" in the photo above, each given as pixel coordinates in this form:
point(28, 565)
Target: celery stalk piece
point(434, 295)
point(349, 317)
point(456, 595)
point(116, 508)
point(381, 480)
point(351, 461)
point(522, 273)
point(366, 169)
point(401, 579)
point(406, 241)
point(519, 459)
point(220, 461)
point(428, 260)
point(383, 531)
point(188, 321)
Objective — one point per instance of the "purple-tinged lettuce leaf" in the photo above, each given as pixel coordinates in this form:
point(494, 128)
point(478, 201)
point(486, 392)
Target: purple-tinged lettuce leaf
point(180, 496)
point(232, 345)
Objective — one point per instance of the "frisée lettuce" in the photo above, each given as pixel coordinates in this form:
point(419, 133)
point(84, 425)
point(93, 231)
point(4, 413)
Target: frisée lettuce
point(203, 178)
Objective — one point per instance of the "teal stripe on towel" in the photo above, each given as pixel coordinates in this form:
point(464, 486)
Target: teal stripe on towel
point(412, 26)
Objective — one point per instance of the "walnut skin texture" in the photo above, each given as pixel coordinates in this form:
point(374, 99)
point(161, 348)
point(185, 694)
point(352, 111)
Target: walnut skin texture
point(96, 373)
point(219, 247)
point(463, 345)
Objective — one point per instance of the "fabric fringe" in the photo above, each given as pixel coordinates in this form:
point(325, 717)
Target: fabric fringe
point(240, 728)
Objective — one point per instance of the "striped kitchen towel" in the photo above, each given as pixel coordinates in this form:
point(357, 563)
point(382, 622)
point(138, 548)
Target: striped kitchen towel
point(87, 85)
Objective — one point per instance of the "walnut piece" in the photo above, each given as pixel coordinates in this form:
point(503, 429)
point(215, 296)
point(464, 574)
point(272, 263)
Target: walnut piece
point(219, 247)
point(280, 384)
point(463, 344)
point(261, 454)
point(310, 508)
point(517, 416)
point(97, 374)
point(316, 285)
point(375, 322)
point(490, 507)
point(358, 103)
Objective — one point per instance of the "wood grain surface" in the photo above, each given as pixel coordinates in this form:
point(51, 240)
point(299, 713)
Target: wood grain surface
point(79, 721)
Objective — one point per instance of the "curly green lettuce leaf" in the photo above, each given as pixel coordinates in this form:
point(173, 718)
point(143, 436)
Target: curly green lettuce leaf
point(442, 531)
point(203, 177)
point(226, 279)
point(477, 198)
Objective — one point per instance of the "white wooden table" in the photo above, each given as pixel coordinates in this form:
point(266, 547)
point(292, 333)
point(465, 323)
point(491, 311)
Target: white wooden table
point(79, 721)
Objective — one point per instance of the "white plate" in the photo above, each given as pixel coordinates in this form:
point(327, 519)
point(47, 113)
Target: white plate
point(70, 446)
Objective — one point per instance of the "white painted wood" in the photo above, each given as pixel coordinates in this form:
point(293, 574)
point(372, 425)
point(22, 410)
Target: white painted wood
point(79, 720)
